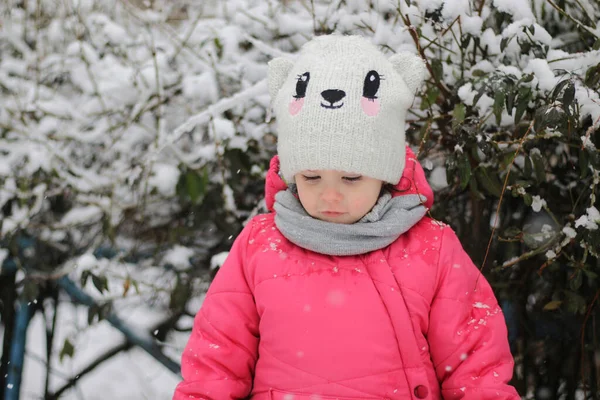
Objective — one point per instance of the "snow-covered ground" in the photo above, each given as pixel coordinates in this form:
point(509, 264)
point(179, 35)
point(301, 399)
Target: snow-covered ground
point(129, 375)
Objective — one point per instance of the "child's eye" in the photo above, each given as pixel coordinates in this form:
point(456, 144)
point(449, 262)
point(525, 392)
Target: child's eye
point(311, 178)
point(352, 178)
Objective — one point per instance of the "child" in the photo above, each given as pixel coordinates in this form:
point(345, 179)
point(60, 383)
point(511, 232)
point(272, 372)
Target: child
point(346, 290)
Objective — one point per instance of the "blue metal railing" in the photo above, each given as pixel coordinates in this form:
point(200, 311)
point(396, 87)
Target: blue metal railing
point(12, 362)
point(17, 351)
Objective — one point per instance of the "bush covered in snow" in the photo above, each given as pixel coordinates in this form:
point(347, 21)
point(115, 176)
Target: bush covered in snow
point(134, 138)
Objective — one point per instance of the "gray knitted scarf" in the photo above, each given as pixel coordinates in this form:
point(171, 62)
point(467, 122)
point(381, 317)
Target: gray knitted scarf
point(389, 218)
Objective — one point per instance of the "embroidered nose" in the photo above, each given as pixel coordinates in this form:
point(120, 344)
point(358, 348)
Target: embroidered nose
point(332, 96)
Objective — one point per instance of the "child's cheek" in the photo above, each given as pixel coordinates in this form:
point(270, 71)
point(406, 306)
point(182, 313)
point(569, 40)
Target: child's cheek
point(357, 204)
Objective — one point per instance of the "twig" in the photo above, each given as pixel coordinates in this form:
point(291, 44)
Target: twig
point(587, 316)
point(215, 109)
point(508, 169)
point(568, 16)
point(415, 37)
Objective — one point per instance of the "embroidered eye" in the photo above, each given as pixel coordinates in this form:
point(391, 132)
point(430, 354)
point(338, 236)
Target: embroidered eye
point(301, 85)
point(371, 85)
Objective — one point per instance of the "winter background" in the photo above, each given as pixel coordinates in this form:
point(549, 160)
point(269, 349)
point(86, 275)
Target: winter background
point(134, 138)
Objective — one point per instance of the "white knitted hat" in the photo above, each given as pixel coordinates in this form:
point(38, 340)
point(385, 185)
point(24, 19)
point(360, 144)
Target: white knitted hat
point(342, 106)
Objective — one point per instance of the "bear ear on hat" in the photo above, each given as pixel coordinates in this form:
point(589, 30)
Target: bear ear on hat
point(279, 69)
point(411, 68)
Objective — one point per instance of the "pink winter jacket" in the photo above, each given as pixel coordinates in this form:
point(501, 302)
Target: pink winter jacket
point(414, 320)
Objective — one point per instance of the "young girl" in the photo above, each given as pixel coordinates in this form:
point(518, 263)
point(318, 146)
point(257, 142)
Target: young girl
point(346, 290)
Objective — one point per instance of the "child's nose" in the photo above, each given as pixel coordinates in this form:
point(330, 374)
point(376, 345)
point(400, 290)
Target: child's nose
point(331, 194)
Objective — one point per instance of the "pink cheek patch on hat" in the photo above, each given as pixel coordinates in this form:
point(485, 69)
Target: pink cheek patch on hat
point(370, 106)
point(296, 105)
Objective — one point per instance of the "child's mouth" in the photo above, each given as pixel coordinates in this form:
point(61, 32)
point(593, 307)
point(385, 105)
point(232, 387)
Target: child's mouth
point(332, 213)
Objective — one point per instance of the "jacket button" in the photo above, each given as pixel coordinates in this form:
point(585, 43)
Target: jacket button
point(421, 392)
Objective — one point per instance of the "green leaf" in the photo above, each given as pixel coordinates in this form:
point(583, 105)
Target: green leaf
point(136, 286)
point(480, 93)
point(477, 73)
point(105, 310)
point(527, 199)
point(527, 78)
point(504, 43)
point(539, 168)
point(180, 294)
point(576, 281)
point(510, 101)
point(464, 171)
point(100, 283)
point(575, 303)
point(522, 104)
point(193, 185)
point(459, 114)
point(93, 311)
point(596, 45)
point(499, 98)
point(430, 97)
point(489, 181)
point(438, 69)
point(512, 231)
point(557, 89)
point(592, 276)
point(552, 305)
point(568, 95)
point(219, 47)
point(68, 350)
point(84, 277)
point(592, 76)
point(584, 163)
point(528, 168)
point(466, 39)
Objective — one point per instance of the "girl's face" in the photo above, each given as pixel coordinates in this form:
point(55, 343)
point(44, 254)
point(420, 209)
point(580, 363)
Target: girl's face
point(337, 196)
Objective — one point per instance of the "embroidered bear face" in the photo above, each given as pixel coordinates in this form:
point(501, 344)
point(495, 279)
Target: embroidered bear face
point(341, 90)
point(334, 98)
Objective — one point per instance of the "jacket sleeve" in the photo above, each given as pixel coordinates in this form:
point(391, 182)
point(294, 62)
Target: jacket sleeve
point(467, 331)
point(219, 359)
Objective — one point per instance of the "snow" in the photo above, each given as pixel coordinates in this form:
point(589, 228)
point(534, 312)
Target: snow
point(128, 97)
point(87, 261)
point(544, 77)
point(590, 221)
point(518, 9)
point(538, 203)
point(3, 256)
point(550, 255)
point(437, 180)
point(179, 257)
point(81, 215)
point(218, 260)
point(569, 232)
point(164, 178)
point(202, 87)
point(471, 24)
point(587, 143)
point(132, 374)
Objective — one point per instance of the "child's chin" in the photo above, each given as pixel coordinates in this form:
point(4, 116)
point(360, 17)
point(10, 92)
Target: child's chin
point(341, 219)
